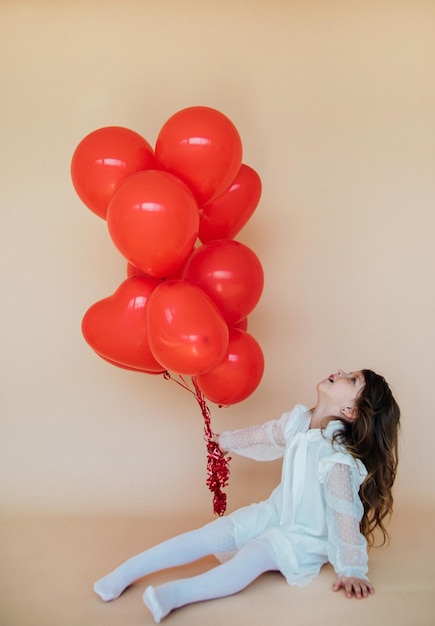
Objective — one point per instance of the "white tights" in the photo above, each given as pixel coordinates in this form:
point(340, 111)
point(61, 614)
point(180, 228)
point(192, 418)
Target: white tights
point(226, 579)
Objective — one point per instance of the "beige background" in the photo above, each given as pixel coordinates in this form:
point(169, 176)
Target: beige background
point(335, 105)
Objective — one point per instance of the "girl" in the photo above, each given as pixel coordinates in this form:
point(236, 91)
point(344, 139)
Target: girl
point(339, 466)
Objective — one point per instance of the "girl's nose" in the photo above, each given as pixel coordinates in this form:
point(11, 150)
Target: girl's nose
point(342, 374)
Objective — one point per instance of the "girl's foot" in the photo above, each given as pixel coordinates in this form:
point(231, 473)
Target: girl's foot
point(110, 587)
point(150, 598)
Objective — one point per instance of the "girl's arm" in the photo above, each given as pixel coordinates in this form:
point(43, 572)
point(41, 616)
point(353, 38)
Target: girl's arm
point(347, 547)
point(265, 442)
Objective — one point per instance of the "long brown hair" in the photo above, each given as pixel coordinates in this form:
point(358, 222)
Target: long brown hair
point(373, 438)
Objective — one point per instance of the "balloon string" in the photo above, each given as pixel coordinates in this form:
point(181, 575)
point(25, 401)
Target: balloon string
point(181, 382)
point(217, 465)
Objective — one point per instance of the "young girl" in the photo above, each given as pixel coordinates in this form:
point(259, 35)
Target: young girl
point(339, 466)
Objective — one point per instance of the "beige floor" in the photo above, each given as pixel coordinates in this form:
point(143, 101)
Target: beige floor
point(48, 566)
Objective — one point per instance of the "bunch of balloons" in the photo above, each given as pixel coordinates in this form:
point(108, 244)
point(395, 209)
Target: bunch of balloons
point(173, 212)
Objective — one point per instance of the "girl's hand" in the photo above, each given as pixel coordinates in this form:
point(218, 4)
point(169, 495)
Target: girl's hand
point(359, 587)
point(215, 439)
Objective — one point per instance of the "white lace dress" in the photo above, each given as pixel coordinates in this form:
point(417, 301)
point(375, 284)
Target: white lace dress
point(313, 516)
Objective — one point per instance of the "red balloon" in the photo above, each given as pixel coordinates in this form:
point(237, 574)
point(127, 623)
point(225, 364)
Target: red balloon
point(238, 375)
point(203, 148)
point(187, 333)
point(115, 327)
point(153, 220)
point(230, 274)
point(225, 216)
point(103, 159)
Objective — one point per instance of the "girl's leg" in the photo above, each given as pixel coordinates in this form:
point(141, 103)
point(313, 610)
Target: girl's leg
point(224, 580)
point(210, 539)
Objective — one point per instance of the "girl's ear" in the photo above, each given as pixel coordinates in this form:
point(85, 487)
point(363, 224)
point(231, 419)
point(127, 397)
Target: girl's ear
point(349, 413)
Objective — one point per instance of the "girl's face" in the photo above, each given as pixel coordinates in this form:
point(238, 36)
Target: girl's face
point(341, 390)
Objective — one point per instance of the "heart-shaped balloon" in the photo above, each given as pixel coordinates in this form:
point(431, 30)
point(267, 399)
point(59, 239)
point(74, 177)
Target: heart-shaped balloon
point(115, 327)
point(225, 216)
point(187, 333)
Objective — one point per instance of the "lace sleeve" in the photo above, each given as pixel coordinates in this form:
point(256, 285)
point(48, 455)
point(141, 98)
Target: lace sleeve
point(347, 547)
point(261, 443)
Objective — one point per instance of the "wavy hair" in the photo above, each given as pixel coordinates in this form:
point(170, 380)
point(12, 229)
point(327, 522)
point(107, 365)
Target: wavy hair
point(373, 438)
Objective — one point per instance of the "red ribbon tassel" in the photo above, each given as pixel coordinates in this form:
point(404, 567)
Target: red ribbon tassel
point(217, 465)
point(218, 471)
